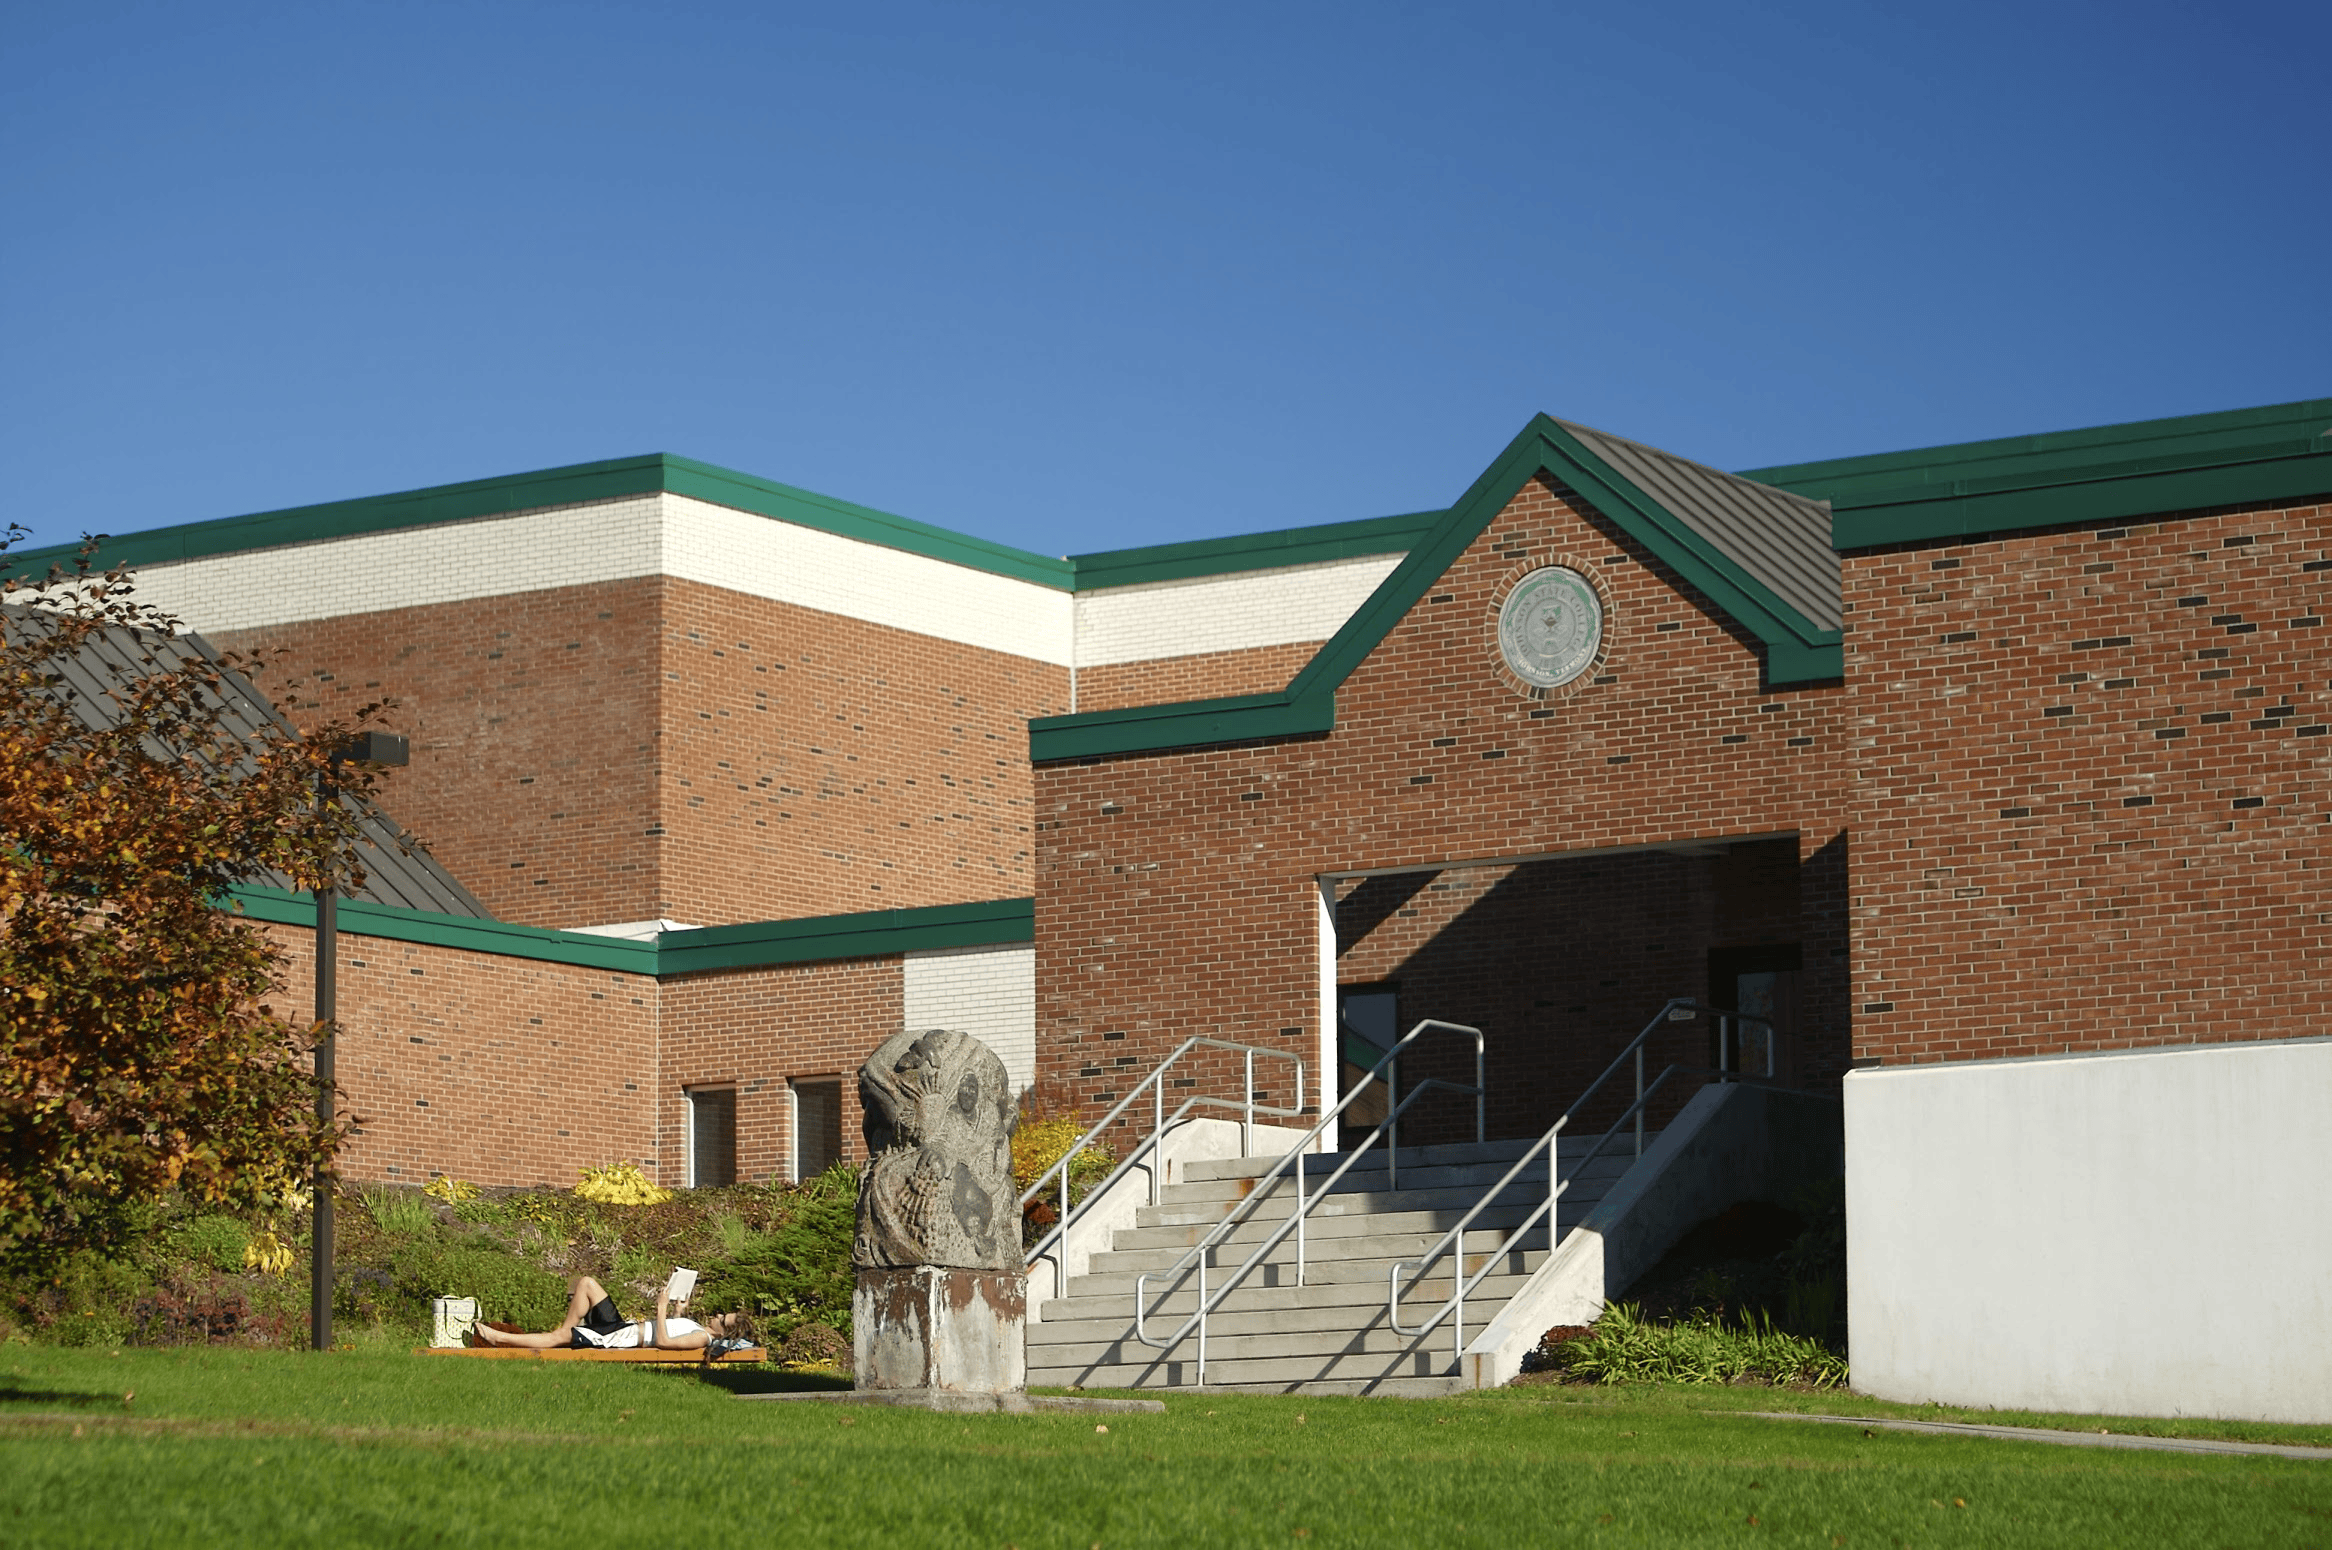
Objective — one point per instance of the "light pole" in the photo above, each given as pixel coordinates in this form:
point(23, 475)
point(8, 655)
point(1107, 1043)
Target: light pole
point(390, 750)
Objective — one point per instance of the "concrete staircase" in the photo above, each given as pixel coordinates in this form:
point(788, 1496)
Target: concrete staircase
point(1330, 1335)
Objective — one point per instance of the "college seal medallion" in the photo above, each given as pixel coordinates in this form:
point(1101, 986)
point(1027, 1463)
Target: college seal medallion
point(1550, 627)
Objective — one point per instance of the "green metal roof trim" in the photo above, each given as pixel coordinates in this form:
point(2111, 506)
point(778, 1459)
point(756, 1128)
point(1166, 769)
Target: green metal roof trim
point(872, 934)
point(2106, 473)
point(1252, 551)
point(614, 480)
point(1796, 650)
point(664, 471)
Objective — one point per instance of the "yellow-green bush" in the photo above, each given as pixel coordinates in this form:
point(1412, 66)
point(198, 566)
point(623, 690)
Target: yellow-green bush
point(620, 1184)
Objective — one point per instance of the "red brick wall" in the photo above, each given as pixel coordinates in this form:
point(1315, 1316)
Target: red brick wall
point(815, 765)
point(1176, 891)
point(757, 1030)
point(659, 748)
point(497, 1070)
point(2091, 790)
point(1206, 675)
point(533, 720)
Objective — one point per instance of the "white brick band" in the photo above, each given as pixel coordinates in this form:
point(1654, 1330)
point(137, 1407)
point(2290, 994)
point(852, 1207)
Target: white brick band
point(1224, 613)
point(987, 992)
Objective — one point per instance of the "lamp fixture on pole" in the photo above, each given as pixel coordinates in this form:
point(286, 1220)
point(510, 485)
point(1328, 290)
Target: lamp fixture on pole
point(391, 751)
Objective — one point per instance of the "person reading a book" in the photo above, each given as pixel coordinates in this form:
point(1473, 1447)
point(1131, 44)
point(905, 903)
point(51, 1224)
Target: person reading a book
point(594, 1321)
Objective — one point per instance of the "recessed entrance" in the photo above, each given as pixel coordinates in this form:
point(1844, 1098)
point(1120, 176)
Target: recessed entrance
point(1561, 960)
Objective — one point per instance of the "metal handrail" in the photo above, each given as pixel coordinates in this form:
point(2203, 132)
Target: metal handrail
point(1728, 1026)
point(1155, 1085)
point(1268, 1181)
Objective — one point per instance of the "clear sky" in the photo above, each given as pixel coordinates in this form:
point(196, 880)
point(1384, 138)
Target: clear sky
point(1080, 277)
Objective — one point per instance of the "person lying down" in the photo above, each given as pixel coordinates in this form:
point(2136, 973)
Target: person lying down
point(594, 1321)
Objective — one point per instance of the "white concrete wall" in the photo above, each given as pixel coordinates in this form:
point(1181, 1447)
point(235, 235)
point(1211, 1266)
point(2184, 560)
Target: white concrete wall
point(987, 992)
point(2140, 1233)
point(1224, 613)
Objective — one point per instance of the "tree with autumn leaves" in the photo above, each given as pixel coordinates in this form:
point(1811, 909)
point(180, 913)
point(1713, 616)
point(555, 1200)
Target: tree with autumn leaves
point(141, 778)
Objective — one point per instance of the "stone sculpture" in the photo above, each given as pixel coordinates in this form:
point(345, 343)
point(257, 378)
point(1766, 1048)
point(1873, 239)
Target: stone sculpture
point(940, 1309)
point(938, 1189)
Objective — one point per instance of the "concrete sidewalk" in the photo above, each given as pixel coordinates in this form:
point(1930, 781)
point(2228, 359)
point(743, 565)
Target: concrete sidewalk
point(2097, 1439)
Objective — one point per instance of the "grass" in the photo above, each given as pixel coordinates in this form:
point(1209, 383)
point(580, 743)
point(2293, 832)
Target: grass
point(239, 1446)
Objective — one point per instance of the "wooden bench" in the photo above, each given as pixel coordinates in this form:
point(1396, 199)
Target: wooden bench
point(650, 1357)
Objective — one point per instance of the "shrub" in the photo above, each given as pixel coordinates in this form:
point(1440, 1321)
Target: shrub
point(1036, 1146)
point(620, 1184)
point(506, 1286)
point(1624, 1347)
point(816, 1347)
point(216, 1242)
point(452, 1191)
point(799, 1272)
point(400, 1215)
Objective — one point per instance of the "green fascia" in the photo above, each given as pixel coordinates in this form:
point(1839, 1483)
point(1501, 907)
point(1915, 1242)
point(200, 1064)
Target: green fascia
point(805, 508)
point(2107, 473)
point(494, 937)
point(621, 478)
point(583, 482)
point(1796, 650)
point(871, 934)
point(1252, 551)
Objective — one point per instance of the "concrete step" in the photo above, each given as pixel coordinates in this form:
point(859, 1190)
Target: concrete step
point(1118, 1281)
point(1199, 1170)
point(1590, 1186)
point(1081, 1323)
point(1318, 1346)
point(1377, 1248)
point(1349, 1300)
point(1352, 1388)
point(1329, 1232)
point(1214, 1177)
point(1432, 1357)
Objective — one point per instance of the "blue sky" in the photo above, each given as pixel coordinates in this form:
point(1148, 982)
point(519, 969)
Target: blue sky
point(1084, 277)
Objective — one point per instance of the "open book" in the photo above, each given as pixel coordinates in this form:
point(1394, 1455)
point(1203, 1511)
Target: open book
point(681, 1287)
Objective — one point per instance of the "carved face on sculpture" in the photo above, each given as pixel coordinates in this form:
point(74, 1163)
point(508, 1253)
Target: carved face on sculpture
point(938, 1189)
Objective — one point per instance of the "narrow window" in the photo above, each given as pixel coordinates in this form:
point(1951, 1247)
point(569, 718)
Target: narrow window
point(817, 1127)
point(712, 1137)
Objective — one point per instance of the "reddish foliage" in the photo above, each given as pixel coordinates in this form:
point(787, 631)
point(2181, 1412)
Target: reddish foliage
point(138, 782)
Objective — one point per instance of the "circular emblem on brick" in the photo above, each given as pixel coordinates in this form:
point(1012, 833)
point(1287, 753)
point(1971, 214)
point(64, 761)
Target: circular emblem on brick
point(1550, 627)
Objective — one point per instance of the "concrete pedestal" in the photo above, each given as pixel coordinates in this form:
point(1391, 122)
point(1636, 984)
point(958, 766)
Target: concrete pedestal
point(941, 1331)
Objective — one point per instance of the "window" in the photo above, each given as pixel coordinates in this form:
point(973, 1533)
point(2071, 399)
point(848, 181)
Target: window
point(712, 1137)
point(817, 1127)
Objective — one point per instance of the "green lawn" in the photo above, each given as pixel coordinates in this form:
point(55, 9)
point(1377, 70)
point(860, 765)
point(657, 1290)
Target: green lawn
point(379, 1447)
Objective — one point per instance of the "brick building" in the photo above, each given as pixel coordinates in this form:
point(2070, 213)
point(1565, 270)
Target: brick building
point(1995, 775)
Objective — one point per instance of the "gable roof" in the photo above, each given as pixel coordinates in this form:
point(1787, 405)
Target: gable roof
point(1750, 549)
point(1779, 538)
point(2105, 473)
point(397, 871)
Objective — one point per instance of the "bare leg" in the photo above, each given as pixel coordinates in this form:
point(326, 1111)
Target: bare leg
point(580, 1301)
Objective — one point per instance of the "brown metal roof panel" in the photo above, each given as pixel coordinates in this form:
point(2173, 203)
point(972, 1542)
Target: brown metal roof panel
point(1781, 539)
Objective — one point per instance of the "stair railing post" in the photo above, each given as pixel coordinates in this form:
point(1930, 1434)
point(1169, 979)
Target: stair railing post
point(1392, 1126)
point(1247, 1126)
point(1157, 1131)
point(1461, 1300)
point(1300, 1214)
point(1481, 1098)
point(1639, 1102)
point(1202, 1318)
